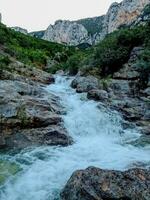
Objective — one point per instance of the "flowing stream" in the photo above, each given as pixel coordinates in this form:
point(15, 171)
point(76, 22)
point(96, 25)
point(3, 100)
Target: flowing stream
point(99, 140)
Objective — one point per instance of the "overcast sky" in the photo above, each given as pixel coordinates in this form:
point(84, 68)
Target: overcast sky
point(38, 14)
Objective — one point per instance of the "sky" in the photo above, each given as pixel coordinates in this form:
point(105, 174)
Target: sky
point(35, 15)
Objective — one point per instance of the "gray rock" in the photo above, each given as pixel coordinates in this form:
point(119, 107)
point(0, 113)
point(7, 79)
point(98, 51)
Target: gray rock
point(50, 135)
point(98, 95)
point(66, 32)
point(120, 86)
point(97, 184)
point(84, 84)
point(137, 51)
point(128, 72)
point(77, 32)
point(147, 91)
point(30, 116)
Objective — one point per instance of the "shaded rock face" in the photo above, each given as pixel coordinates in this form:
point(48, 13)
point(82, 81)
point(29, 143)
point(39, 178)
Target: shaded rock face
point(93, 30)
point(29, 115)
point(97, 184)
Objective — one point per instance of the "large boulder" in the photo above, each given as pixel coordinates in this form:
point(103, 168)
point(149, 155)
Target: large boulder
point(29, 115)
point(85, 84)
point(98, 95)
point(97, 184)
point(50, 135)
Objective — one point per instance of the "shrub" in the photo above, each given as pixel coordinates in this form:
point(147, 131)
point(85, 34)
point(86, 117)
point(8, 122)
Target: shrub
point(4, 62)
point(115, 49)
point(32, 50)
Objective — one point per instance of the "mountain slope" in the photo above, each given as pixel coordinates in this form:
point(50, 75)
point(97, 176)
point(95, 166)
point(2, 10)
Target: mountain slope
point(30, 50)
point(92, 30)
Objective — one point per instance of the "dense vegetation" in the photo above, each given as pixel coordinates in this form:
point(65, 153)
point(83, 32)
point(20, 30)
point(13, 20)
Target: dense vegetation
point(115, 49)
point(31, 50)
point(102, 60)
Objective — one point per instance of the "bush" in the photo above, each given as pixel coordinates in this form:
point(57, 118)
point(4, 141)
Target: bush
point(32, 50)
point(115, 49)
point(4, 62)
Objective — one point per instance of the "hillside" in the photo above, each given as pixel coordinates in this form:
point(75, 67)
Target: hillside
point(64, 108)
point(32, 51)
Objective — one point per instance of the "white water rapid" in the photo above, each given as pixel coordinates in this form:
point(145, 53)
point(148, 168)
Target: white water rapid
point(99, 140)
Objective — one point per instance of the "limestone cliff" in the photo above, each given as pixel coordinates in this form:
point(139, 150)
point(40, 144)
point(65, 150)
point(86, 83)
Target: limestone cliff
point(123, 13)
point(92, 30)
point(66, 32)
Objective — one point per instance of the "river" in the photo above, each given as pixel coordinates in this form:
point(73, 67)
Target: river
point(99, 140)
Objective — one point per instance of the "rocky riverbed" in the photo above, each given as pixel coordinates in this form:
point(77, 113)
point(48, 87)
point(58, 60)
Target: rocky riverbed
point(121, 93)
point(29, 114)
point(59, 130)
point(99, 139)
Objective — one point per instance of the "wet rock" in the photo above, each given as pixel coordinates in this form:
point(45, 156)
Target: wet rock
point(143, 141)
point(97, 184)
point(50, 135)
point(7, 169)
point(98, 95)
point(27, 107)
point(60, 72)
point(84, 84)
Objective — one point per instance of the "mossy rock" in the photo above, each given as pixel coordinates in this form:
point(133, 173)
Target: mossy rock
point(7, 169)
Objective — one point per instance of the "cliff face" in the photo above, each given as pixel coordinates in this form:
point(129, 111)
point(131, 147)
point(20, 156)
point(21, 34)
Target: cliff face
point(66, 32)
point(123, 13)
point(74, 33)
point(92, 30)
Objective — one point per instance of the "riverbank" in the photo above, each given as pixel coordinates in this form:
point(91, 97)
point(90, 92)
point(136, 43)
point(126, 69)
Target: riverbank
point(99, 140)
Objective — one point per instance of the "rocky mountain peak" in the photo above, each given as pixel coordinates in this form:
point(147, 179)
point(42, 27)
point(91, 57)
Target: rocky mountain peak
point(77, 32)
point(123, 13)
point(66, 32)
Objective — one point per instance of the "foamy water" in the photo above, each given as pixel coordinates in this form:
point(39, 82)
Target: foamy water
point(99, 140)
